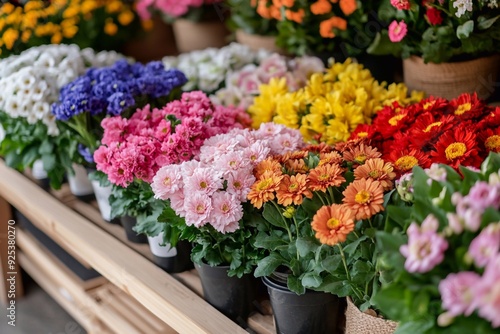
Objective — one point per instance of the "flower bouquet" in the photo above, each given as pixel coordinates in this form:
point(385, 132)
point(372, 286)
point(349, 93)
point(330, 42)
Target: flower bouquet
point(242, 86)
point(449, 46)
point(442, 272)
point(458, 132)
point(101, 25)
point(331, 105)
point(31, 82)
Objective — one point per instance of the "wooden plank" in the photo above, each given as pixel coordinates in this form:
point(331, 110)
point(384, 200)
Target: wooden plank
point(159, 292)
point(191, 279)
point(9, 271)
point(83, 316)
point(262, 324)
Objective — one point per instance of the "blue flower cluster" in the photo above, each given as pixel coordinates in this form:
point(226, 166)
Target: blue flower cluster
point(113, 89)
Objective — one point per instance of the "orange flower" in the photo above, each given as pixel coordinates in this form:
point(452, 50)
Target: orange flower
point(291, 156)
point(268, 165)
point(376, 169)
point(293, 189)
point(297, 16)
point(263, 10)
point(365, 197)
point(348, 6)
point(326, 27)
point(324, 176)
point(330, 158)
point(359, 154)
point(281, 3)
point(321, 7)
point(263, 189)
point(275, 13)
point(296, 166)
point(332, 224)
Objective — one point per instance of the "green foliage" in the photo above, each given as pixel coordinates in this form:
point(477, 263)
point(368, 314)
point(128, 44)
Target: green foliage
point(244, 16)
point(24, 143)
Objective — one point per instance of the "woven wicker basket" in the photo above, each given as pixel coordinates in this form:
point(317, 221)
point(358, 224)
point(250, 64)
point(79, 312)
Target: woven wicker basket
point(357, 322)
point(449, 80)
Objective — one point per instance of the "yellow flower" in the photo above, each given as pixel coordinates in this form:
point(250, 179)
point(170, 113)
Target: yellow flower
point(56, 38)
point(7, 8)
point(9, 37)
point(110, 28)
point(147, 24)
point(33, 5)
point(264, 107)
point(70, 31)
point(88, 6)
point(30, 19)
point(126, 17)
point(25, 36)
point(114, 6)
point(2, 23)
point(71, 11)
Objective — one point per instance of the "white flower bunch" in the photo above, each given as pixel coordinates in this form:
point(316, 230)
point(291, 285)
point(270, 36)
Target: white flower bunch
point(206, 69)
point(31, 81)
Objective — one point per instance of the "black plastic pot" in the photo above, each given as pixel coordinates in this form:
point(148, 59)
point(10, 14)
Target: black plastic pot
point(310, 313)
point(232, 296)
point(128, 223)
point(178, 263)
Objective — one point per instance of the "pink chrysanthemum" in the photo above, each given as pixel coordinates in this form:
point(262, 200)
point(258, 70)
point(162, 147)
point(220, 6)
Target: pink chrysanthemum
point(227, 212)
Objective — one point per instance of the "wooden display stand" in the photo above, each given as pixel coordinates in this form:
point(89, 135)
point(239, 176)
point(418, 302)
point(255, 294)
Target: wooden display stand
point(133, 296)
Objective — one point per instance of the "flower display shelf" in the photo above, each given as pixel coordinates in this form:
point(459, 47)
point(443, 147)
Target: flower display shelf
point(136, 292)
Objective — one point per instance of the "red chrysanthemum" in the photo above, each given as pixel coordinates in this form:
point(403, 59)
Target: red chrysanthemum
point(363, 131)
point(489, 141)
point(490, 121)
point(390, 120)
point(427, 129)
point(457, 147)
point(405, 160)
point(434, 16)
point(468, 106)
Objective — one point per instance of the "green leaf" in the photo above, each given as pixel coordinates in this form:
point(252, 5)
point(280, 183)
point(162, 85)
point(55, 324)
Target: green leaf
point(484, 23)
point(273, 216)
point(267, 265)
point(270, 242)
point(417, 326)
point(331, 263)
point(311, 280)
point(339, 288)
point(391, 302)
point(305, 246)
point(295, 285)
point(351, 248)
point(464, 30)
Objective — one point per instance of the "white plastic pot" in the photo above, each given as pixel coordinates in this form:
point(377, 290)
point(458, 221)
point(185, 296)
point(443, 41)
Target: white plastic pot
point(79, 183)
point(161, 251)
point(37, 171)
point(102, 196)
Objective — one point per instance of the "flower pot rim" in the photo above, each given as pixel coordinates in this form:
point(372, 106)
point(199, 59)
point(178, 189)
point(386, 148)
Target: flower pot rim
point(419, 59)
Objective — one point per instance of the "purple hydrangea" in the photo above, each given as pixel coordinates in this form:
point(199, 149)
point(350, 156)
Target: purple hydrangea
point(114, 89)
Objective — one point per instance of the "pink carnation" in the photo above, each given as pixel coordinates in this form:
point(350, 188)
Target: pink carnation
point(401, 4)
point(425, 248)
point(457, 293)
point(397, 31)
point(114, 129)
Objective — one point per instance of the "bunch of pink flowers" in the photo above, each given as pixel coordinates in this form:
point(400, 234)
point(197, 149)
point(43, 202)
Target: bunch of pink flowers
point(172, 8)
point(137, 147)
point(211, 190)
point(242, 86)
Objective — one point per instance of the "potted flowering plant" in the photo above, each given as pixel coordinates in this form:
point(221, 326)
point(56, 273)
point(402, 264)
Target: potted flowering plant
point(458, 132)
point(31, 82)
point(115, 90)
point(102, 25)
point(441, 254)
point(196, 24)
point(321, 209)
point(331, 105)
point(133, 150)
point(207, 206)
point(449, 47)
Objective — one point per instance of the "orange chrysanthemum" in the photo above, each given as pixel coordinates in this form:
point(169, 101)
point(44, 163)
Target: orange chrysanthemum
point(318, 148)
point(321, 7)
point(332, 224)
point(326, 27)
point(359, 154)
point(264, 188)
point(297, 16)
point(293, 189)
point(330, 158)
point(267, 165)
point(296, 166)
point(291, 156)
point(365, 197)
point(348, 6)
point(324, 176)
point(376, 169)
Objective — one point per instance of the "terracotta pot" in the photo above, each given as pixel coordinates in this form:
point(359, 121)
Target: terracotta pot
point(153, 44)
point(191, 35)
point(449, 80)
point(256, 42)
point(357, 322)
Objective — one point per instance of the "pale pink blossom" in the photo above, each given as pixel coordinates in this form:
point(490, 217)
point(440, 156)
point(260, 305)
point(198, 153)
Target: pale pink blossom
point(397, 31)
point(436, 173)
point(239, 183)
point(486, 245)
point(274, 66)
point(256, 153)
point(168, 180)
point(457, 293)
point(227, 212)
point(198, 207)
point(230, 161)
point(487, 298)
point(482, 195)
point(455, 223)
point(203, 180)
point(177, 203)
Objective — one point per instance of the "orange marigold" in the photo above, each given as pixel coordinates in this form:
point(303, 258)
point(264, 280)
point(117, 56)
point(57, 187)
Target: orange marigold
point(376, 169)
point(365, 197)
point(293, 189)
point(324, 176)
point(332, 224)
point(321, 7)
point(326, 27)
point(263, 189)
